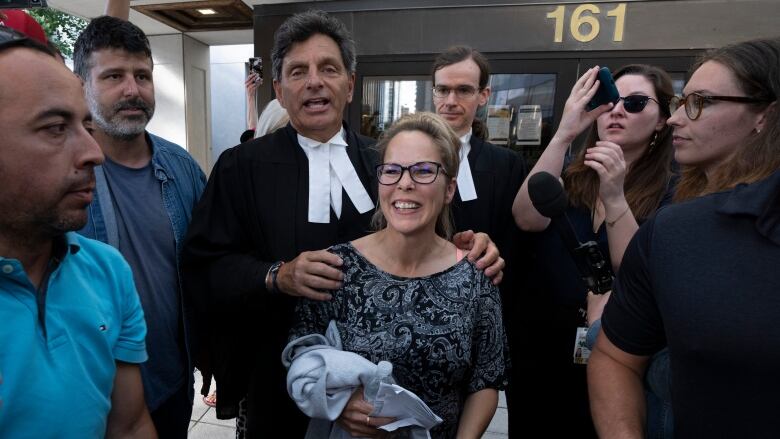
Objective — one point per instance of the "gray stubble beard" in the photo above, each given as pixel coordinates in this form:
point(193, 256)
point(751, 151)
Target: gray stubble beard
point(118, 127)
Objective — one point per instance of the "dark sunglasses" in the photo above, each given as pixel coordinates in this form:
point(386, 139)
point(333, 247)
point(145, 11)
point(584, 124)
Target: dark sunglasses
point(636, 103)
point(421, 172)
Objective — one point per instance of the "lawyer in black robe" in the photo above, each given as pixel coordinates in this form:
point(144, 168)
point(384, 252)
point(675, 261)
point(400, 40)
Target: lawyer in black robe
point(252, 214)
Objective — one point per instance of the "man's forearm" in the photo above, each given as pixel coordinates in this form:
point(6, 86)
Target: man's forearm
point(142, 429)
point(617, 399)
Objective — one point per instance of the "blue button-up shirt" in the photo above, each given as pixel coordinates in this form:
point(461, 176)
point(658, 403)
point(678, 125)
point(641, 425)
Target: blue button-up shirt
point(182, 183)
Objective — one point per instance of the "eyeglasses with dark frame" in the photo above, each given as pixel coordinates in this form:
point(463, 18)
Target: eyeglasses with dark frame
point(420, 172)
point(461, 91)
point(636, 103)
point(694, 102)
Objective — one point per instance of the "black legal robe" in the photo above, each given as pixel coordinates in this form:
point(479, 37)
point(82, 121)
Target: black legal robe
point(253, 213)
point(498, 173)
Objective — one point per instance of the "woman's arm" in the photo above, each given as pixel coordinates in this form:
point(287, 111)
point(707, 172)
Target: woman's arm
point(118, 9)
point(490, 359)
point(574, 121)
point(250, 84)
point(477, 413)
point(621, 227)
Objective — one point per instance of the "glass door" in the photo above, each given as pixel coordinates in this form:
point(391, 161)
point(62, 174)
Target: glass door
point(527, 94)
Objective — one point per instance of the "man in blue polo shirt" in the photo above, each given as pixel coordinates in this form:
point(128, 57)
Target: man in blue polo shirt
point(72, 330)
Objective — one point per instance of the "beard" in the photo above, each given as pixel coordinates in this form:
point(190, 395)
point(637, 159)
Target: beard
point(116, 125)
point(34, 218)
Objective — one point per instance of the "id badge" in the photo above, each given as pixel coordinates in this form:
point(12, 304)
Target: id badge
point(581, 351)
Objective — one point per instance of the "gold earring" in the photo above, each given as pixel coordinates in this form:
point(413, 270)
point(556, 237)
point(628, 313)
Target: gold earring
point(652, 142)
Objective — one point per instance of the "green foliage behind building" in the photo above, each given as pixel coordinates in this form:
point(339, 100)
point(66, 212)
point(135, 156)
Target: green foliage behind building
point(62, 29)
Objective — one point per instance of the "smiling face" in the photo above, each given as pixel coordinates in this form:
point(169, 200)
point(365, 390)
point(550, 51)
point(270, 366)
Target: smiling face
point(412, 208)
point(460, 112)
point(722, 127)
point(120, 92)
point(46, 154)
point(632, 131)
point(315, 87)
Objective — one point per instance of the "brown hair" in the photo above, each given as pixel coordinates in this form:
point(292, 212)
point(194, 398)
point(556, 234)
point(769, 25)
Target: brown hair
point(648, 177)
point(756, 65)
point(448, 144)
point(454, 55)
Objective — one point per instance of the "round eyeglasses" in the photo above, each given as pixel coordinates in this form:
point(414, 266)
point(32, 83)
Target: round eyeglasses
point(420, 172)
point(694, 102)
point(461, 91)
point(636, 103)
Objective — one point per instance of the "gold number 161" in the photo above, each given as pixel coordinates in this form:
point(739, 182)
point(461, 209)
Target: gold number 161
point(580, 18)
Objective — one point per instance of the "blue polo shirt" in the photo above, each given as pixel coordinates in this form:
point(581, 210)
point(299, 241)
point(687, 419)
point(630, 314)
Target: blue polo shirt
point(59, 345)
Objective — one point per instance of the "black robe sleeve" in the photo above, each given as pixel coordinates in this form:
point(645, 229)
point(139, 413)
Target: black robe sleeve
point(221, 264)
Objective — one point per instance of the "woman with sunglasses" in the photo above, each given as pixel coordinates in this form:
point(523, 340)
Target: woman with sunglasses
point(621, 176)
point(411, 298)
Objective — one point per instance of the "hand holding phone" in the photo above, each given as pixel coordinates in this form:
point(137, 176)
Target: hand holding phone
point(256, 66)
point(607, 91)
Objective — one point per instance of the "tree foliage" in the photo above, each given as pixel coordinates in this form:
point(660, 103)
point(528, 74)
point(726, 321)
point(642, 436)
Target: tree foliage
point(61, 28)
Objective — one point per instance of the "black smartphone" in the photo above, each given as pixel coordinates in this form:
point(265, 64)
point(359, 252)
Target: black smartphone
point(256, 66)
point(607, 91)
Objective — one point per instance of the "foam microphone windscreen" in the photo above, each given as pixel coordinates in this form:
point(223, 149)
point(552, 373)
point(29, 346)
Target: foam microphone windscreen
point(547, 194)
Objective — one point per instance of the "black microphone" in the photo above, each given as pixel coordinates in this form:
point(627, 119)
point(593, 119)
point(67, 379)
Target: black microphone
point(549, 199)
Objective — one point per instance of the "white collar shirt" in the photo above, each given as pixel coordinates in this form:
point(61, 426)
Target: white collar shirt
point(330, 170)
point(465, 181)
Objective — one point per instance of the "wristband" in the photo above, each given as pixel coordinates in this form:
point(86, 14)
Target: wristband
point(273, 272)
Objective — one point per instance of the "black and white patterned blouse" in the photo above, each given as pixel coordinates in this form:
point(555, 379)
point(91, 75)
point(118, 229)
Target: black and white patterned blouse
point(443, 332)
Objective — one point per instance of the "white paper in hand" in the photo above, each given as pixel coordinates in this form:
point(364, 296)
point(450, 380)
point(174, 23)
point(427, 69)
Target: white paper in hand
point(393, 401)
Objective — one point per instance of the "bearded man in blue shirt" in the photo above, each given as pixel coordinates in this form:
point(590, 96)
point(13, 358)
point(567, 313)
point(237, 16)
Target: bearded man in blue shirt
point(146, 190)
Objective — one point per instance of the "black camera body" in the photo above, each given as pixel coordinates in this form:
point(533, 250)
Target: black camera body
point(595, 271)
point(550, 200)
point(22, 4)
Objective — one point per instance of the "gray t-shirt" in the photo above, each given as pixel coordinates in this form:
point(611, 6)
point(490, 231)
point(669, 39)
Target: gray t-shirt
point(146, 240)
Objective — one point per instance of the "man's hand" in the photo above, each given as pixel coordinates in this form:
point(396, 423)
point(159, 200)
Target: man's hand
point(310, 273)
point(483, 252)
point(356, 420)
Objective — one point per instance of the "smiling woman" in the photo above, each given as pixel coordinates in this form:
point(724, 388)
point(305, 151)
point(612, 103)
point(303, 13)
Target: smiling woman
point(420, 139)
point(408, 292)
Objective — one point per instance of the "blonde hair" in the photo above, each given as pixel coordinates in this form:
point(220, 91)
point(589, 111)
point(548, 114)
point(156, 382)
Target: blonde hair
point(448, 145)
point(273, 117)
